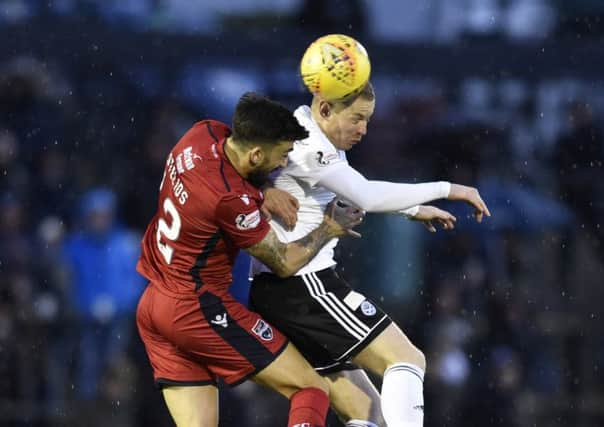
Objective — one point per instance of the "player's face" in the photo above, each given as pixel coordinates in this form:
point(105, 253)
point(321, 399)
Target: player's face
point(346, 126)
point(273, 157)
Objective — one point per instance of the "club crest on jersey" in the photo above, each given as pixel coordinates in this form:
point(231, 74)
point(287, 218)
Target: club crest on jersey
point(245, 222)
point(263, 330)
point(367, 308)
point(325, 159)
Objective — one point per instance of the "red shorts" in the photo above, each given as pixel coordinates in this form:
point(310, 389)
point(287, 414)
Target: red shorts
point(194, 341)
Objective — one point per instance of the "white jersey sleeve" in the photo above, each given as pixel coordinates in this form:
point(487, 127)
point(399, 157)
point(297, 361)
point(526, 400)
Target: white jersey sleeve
point(381, 196)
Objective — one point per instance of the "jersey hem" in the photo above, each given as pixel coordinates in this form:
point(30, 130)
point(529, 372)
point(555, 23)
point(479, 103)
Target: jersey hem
point(160, 383)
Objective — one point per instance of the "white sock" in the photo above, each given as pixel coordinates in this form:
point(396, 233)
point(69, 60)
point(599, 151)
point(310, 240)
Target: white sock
point(360, 423)
point(403, 396)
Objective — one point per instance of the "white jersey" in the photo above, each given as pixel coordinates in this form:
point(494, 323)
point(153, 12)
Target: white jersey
point(309, 160)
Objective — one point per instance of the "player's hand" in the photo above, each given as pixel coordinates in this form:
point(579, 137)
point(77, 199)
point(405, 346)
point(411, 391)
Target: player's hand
point(471, 196)
point(282, 205)
point(426, 214)
point(346, 216)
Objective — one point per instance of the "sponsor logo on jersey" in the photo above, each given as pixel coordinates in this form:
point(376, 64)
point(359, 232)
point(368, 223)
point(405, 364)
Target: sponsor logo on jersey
point(246, 222)
point(325, 159)
point(188, 154)
point(220, 320)
point(263, 330)
point(367, 308)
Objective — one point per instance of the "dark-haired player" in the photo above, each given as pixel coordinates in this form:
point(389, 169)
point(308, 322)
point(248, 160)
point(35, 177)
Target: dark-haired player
point(209, 200)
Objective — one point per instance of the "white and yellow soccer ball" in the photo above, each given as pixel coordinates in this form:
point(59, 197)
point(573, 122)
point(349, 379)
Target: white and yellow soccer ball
point(335, 67)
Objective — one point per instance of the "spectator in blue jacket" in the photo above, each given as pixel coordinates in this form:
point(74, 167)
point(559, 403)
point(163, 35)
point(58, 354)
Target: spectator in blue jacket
point(101, 256)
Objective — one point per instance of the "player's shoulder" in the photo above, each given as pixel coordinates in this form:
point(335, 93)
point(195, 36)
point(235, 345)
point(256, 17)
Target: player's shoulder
point(242, 196)
point(215, 128)
point(242, 208)
point(316, 141)
point(197, 154)
point(206, 132)
point(313, 153)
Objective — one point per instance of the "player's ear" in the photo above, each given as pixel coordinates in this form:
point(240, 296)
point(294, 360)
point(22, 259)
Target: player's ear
point(324, 109)
point(256, 156)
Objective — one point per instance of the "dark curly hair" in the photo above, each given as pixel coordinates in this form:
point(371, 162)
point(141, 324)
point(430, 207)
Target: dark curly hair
point(258, 119)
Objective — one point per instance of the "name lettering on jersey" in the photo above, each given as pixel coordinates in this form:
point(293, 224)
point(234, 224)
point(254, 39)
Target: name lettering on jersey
point(245, 199)
point(214, 152)
point(178, 187)
point(324, 159)
point(179, 166)
point(246, 222)
point(263, 330)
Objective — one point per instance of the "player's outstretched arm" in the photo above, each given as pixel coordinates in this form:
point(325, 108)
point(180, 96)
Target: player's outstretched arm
point(383, 196)
point(380, 196)
point(284, 259)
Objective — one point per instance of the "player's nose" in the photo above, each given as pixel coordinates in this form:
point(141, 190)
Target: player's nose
point(363, 128)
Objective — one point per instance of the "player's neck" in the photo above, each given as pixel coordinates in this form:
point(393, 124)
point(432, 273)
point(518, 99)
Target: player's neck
point(235, 158)
point(316, 116)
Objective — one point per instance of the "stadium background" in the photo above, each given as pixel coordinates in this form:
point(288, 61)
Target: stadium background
point(506, 95)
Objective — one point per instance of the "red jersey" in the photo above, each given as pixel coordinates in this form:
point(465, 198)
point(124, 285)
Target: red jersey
point(206, 212)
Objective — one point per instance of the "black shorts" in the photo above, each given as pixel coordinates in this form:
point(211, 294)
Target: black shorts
point(320, 313)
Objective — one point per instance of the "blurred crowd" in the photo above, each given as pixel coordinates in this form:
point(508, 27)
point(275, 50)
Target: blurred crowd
point(442, 21)
point(506, 311)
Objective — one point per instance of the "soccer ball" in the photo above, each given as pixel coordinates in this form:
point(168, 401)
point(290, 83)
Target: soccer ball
point(335, 67)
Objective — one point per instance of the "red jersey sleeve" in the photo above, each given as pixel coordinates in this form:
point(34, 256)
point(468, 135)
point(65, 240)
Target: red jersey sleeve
point(240, 219)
